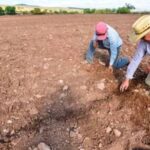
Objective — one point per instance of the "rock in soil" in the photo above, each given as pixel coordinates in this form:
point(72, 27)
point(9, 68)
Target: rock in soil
point(43, 146)
point(117, 133)
point(101, 86)
point(65, 88)
point(108, 130)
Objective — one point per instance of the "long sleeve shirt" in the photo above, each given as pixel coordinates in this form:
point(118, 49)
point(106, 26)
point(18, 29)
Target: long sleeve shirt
point(112, 42)
point(143, 49)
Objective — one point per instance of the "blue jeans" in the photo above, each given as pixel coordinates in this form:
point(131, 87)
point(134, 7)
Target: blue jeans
point(119, 62)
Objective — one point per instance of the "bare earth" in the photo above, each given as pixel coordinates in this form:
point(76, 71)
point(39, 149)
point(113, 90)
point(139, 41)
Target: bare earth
point(48, 93)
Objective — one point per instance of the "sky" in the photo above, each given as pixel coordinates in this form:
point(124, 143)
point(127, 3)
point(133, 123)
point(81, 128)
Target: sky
point(139, 4)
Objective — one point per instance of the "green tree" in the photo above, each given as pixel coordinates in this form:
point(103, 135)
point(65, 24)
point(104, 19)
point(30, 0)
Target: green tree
point(129, 6)
point(73, 12)
point(56, 12)
point(105, 11)
point(45, 11)
point(10, 10)
point(50, 11)
point(25, 12)
point(2, 12)
point(89, 11)
point(63, 12)
point(36, 11)
point(123, 10)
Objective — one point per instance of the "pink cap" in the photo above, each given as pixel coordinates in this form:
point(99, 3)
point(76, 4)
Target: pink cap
point(101, 31)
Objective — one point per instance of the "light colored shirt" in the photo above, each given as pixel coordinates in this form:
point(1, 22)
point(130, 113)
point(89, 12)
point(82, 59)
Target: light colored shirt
point(143, 49)
point(112, 42)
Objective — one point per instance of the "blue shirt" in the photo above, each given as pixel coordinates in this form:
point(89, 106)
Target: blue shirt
point(112, 42)
point(142, 50)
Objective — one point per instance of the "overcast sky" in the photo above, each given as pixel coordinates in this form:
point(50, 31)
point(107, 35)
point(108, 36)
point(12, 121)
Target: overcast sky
point(139, 4)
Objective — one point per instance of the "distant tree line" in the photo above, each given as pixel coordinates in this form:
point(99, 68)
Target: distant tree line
point(121, 10)
point(38, 11)
point(10, 10)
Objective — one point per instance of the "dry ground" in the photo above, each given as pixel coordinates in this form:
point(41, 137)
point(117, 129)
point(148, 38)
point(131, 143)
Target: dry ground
point(49, 94)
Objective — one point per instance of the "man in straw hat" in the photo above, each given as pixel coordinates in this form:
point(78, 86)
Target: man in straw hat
point(141, 31)
point(106, 37)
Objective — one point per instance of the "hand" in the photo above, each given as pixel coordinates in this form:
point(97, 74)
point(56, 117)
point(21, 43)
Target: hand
point(95, 44)
point(124, 86)
point(147, 70)
point(110, 68)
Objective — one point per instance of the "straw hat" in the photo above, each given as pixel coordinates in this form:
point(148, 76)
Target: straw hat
point(140, 28)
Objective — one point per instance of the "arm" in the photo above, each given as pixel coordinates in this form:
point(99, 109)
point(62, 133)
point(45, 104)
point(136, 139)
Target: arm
point(113, 52)
point(91, 49)
point(140, 52)
point(95, 43)
point(137, 58)
point(114, 42)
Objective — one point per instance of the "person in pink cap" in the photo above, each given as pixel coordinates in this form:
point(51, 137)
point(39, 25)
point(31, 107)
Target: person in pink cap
point(106, 37)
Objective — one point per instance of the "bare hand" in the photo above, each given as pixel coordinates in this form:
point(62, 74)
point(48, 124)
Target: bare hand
point(124, 86)
point(95, 44)
point(110, 68)
point(147, 70)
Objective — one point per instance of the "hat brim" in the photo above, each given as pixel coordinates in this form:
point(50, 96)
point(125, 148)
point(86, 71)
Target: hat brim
point(133, 37)
point(102, 37)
